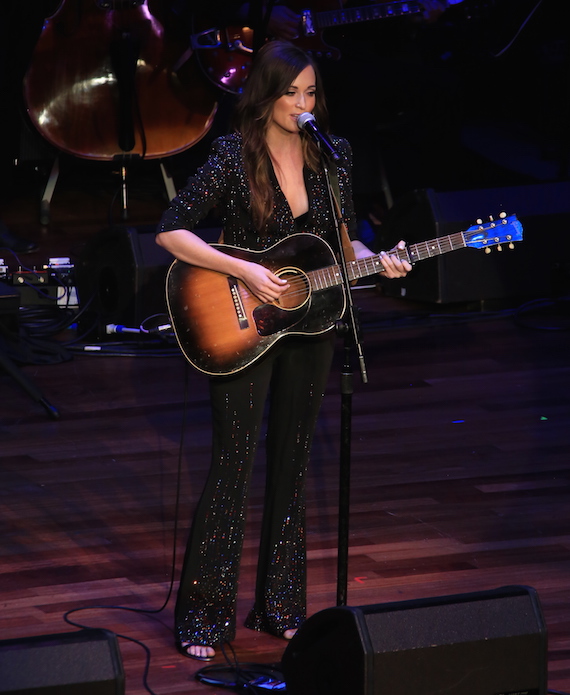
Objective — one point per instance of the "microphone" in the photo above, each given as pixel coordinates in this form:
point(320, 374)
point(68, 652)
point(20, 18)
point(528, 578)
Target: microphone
point(306, 121)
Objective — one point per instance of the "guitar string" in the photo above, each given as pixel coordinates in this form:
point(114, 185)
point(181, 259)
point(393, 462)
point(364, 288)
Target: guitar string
point(328, 277)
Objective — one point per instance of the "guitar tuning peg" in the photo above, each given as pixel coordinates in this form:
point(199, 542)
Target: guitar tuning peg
point(499, 247)
point(479, 221)
point(491, 218)
point(502, 215)
point(511, 245)
point(487, 249)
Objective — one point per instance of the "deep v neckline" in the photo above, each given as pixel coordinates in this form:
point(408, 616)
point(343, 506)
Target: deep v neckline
point(275, 180)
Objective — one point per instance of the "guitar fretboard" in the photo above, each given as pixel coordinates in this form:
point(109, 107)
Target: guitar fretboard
point(363, 14)
point(480, 236)
point(329, 277)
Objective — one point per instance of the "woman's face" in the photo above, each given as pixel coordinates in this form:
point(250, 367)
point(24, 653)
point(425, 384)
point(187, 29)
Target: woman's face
point(300, 97)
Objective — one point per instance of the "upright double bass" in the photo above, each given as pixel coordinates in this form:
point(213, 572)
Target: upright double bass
point(106, 81)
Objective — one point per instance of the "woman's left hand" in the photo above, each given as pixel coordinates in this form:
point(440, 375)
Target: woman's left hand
point(395, 267)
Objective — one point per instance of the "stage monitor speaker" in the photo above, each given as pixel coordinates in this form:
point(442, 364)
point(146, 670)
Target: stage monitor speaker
point(121, 278)
point(485, 643)
point(538, 266)
point(86, 662)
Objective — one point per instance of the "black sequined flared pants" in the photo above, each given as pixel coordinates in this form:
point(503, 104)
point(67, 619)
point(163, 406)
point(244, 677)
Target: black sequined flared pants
point(294, 375)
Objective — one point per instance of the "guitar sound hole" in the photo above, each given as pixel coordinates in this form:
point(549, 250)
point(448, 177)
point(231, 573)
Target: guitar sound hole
point(299, 290)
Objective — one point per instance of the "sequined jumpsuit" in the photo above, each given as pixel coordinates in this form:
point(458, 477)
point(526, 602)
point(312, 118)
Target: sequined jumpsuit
point(292, 379)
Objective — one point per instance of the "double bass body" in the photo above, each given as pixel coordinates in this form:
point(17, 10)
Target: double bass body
point(102, 85)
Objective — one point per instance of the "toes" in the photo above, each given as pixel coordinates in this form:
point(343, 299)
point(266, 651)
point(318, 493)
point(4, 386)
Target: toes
point(200, 651)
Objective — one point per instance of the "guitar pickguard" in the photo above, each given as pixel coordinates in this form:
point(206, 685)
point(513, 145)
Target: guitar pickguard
point(271, 319)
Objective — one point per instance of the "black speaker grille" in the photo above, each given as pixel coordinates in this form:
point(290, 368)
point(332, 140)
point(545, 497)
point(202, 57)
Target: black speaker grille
point(449, 623)
point(86, 662)
point(483, 643)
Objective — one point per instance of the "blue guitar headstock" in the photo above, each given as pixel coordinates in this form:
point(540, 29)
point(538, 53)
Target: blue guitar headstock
point(505, 230)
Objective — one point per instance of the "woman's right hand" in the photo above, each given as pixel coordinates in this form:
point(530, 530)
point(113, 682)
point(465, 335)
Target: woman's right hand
point(262, 282)
point(190, 248)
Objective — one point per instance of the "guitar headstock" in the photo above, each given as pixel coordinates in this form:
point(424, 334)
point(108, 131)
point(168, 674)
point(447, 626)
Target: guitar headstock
point(505, 230)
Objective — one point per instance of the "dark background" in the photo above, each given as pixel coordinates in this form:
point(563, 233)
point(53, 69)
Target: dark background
point(450, 104)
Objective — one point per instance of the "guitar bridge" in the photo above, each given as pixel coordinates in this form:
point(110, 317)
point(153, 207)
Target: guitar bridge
point(238, 304)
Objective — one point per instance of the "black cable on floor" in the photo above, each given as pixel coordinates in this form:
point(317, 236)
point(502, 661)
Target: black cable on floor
point(149, 611)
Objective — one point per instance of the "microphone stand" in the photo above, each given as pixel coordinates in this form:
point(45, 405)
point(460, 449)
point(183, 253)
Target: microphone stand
point(349, 328)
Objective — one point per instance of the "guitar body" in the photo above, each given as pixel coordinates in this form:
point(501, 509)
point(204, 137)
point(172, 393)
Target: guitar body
point(222, 327)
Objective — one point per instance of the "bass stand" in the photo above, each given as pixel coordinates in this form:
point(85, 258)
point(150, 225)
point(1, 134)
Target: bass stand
point(348, 327)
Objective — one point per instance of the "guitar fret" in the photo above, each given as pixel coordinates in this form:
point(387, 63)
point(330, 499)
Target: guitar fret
point(436, 247)
point(323, 278)
point(327, 277)
point(371, 265)
point(457, 241)
point(316, 279)
point(445, 244)
point(334, 276)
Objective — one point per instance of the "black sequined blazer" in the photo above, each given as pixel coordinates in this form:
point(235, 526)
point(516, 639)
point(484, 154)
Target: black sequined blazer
point(222, 183)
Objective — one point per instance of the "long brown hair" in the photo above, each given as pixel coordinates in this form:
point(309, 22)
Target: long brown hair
point(273, 71)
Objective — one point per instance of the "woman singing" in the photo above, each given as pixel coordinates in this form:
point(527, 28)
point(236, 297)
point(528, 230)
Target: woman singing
point(267, 181)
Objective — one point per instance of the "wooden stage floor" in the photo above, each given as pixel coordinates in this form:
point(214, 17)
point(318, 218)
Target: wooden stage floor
point(460, 470)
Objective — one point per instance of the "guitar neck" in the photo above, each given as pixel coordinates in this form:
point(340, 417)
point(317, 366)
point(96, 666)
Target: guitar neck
point(352, 15)
point(412, 253)
point(363, 267)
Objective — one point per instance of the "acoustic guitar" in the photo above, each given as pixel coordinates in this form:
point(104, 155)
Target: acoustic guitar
point(222, 327)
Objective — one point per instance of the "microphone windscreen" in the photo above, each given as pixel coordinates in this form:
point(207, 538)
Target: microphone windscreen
point(305, 118)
